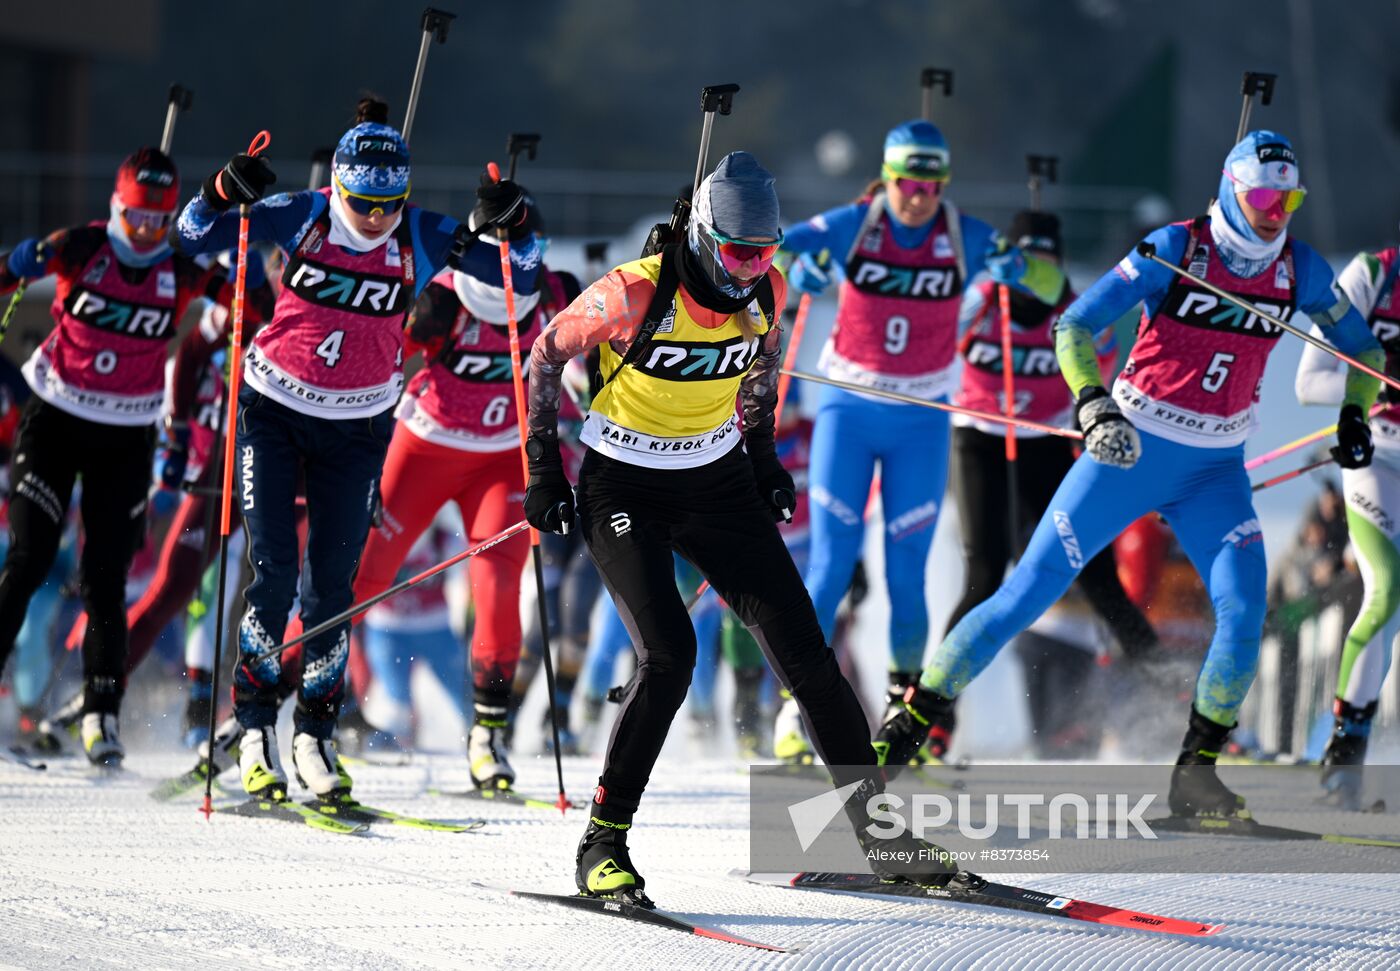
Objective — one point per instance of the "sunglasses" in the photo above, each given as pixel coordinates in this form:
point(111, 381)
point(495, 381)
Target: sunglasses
point(146, 219)
point(734, 253)
point(915, 187)
point(369, 206)
point(1266, 199)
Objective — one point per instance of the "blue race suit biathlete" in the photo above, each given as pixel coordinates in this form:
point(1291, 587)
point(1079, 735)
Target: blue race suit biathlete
point(896, 330)
point(1187, 393)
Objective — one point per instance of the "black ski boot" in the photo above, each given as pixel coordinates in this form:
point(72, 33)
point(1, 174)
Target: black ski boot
point(1342, 763)
point(604, 868)
point(904, 857)
point(1196, 790)
point(923, 716)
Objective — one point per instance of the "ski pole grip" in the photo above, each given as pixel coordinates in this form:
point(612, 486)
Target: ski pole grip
point(937, 77)
point(437, 21)
point(1146, 250)
point(494, 171)
point(1260, 83)
point(1044, 166)
point(718, 97)
point(181, 97)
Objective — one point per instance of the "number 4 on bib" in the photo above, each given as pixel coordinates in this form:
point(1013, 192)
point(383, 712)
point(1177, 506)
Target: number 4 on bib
point(329, 349)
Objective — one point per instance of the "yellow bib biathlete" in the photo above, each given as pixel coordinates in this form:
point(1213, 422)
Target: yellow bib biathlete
point(673, 405)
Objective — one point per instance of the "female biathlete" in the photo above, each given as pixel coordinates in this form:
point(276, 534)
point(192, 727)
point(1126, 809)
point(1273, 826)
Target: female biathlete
point(188, 458)
point(979, 447)
point(1373, 521)
point(908, 254)
point(1170, 438)
point(321, 380)
point(458, 440)
point(98, 381)
point(664, 473)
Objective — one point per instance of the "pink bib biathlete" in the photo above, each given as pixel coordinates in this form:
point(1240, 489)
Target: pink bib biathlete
point(465, 397)
point(105, 361)
point(897, 326)
point(1041, 393)
point(1193, 376)
point(334, 348)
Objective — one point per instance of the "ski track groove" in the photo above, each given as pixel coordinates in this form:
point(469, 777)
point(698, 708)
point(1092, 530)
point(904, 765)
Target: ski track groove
point(95, 875)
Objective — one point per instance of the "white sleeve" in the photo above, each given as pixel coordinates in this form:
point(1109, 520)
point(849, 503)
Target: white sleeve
point(1322, 378)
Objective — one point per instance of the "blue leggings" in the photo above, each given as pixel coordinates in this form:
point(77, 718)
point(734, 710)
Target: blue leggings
point(610, 639)
point(391, 654)
point(1204, 495)
point(911, 445)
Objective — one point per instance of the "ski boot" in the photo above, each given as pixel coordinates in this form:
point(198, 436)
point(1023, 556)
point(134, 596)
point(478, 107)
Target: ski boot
point(790, 742)
point(100, 741)
point(486, 749)
point(197, 707)
point(568, 741)
point(318, 767)
point(225, 751)
point(923, 716)
point(603, 866)
point(904, 857)
point(1196, 790)
point(65, 721)
point(261, 765)
point(1342, 763)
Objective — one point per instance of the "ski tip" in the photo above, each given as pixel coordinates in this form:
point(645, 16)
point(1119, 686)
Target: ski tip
point(715, 935)
point(1210, 930)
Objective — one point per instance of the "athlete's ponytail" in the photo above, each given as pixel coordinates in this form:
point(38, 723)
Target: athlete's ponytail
point(370, 108)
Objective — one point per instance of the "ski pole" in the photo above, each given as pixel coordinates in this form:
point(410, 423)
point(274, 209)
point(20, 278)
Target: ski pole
point(1306, 440)
point(518, 143)
point(518, 380)
point(713, 98)
point(1008, 386)
point(1276, 480)
point(930, 78)
point(595, 255)
point(181, 99)
point(1041, 169)
point(320, 165)
point(1149, 251)
point(12, 306)
point(235, 372)
point(434, 24)
point(1255, 82)
point(397, 588)
point(940, 405)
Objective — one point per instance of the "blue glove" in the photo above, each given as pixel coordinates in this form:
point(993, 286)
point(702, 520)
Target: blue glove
point(813, 275)
point(1005, 263)
point(29, 258)
point(174, 456)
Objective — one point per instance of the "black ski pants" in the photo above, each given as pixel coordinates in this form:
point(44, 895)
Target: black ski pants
point(53, 448)
point(633, 518)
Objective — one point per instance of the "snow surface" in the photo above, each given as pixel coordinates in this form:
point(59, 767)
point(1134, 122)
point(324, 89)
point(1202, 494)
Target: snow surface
point(94, 874)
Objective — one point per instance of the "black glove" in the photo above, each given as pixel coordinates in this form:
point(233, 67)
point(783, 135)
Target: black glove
point(775, 487)
point(1353, 449)
point(549, 499)
point(500, 205)
point(175, 456)
point(1109, 437)
point(241, 182)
